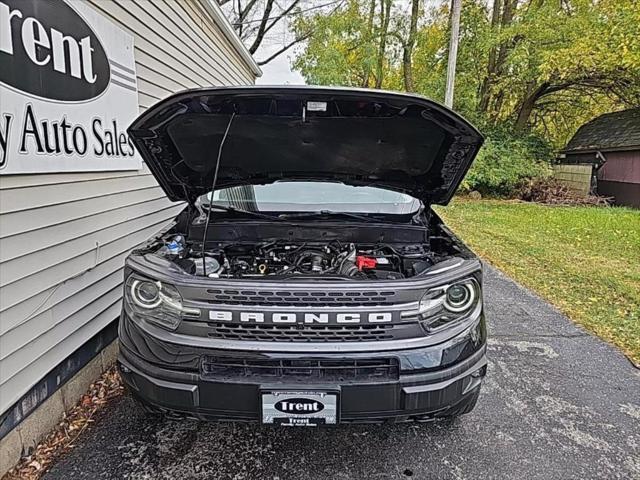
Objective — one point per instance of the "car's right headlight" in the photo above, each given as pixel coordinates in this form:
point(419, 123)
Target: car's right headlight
point(445, 305)
point(154, 301)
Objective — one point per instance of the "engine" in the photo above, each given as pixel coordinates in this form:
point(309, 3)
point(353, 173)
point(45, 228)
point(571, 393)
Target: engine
point(277, 258)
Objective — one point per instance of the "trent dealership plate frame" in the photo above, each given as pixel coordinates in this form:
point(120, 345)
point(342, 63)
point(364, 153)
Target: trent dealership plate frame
point(297, 392)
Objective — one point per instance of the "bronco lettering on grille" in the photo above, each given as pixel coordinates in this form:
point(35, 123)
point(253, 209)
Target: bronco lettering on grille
point(303, 318)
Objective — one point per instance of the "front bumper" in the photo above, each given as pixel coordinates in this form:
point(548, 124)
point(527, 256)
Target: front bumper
point(429, 382)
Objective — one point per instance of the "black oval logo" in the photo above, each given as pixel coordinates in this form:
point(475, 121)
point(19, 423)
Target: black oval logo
point(304, 406)
point(50, 52)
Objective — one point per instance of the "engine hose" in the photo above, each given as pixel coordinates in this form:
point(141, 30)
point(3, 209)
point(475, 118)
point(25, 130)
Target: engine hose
point(348, 268)
point(310, 253)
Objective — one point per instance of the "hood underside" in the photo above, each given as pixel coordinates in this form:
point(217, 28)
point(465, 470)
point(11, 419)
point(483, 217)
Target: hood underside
point(358, 137)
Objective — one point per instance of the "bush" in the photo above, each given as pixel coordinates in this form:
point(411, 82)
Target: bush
point(506, 162)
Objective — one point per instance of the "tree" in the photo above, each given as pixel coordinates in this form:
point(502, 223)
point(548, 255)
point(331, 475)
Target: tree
point(383, 32)
point(348, 47)
point(547, 53)
point(408, 46)
point(405, 31)
point(501, 18)
point(528, 66)
point(358, 44)
point(254, 19)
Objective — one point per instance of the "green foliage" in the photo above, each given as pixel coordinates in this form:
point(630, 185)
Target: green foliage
point(538, 70)
point(339, 51)
point(505, 162)
point(343, 47)
point(573, 60)
point(568, 61)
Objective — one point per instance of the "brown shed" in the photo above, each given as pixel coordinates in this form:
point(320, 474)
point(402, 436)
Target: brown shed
point(611, 143)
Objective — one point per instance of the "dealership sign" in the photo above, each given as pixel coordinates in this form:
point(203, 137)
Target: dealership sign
point(68, 89)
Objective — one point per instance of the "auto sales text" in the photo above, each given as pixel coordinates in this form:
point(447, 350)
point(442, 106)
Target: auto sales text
point(54, 137)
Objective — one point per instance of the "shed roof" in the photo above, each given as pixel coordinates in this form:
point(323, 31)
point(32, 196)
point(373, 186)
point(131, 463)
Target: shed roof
point(611, 131)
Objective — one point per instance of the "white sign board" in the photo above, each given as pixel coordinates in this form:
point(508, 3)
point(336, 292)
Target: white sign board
point(68, 89)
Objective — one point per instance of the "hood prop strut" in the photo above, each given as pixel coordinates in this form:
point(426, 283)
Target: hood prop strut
point(213, 187)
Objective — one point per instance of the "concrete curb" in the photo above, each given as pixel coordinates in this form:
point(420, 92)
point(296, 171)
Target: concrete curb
point(25, 437)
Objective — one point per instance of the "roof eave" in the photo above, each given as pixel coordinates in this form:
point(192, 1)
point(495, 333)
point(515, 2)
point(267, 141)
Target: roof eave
point(225, 26)
point(579, 151)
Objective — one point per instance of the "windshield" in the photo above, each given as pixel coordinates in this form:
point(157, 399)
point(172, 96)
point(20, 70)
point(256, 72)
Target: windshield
point(313, 197)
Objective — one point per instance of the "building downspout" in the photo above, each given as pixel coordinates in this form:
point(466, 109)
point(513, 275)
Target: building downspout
point(598, 164)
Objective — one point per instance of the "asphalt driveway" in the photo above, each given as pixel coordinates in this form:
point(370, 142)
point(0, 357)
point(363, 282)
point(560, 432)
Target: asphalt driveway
point(558, 403)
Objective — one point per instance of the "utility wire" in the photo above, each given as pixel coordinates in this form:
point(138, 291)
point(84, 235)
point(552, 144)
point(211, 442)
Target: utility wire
point(235, 24)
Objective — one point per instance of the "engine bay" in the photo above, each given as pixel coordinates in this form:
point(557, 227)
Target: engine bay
point(260, 249)
point(278, 258)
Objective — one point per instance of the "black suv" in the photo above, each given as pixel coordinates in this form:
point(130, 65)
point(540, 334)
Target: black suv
point(307, 281)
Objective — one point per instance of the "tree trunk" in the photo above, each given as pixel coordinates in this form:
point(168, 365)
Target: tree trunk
point(508, 11)
point(528, 104)
point(372, 12)
point(407, 51)
point(385, 10)
point(502, 16)
point(485, 89)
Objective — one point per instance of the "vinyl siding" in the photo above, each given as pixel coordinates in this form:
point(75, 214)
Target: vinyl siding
point(64, 237)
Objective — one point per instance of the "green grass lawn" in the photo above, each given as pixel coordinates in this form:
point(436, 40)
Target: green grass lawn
point(584, 260)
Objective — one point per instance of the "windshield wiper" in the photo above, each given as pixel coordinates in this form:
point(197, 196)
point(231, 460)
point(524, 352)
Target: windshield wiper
point(241, 211)
point(327, 214)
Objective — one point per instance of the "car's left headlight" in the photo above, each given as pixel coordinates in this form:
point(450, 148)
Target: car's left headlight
point(445, 305)
point(154, 301)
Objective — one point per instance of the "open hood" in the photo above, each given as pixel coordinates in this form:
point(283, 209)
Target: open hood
point(359, 137)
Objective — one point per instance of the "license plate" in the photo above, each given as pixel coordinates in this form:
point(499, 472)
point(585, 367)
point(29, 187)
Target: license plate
point(299, 408)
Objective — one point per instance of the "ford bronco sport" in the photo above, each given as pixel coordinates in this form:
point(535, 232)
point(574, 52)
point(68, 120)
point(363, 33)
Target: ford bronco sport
point(307, 280)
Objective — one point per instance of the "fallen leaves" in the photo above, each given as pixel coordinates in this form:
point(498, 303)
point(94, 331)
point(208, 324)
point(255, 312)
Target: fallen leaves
point(75, 422)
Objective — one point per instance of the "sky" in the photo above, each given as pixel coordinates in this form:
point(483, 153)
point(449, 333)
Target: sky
point(278, 71)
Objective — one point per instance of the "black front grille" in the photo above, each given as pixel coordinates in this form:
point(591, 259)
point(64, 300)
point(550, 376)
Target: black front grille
point(300, 333)
point(304, 370)
point(299, 299)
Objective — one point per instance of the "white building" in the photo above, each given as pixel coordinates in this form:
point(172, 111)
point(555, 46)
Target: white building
point(74, 197)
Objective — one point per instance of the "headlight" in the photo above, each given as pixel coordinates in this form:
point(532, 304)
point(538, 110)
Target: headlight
point(156, 302)
point(460, 297)
point(146, 294)
point(444, 305)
